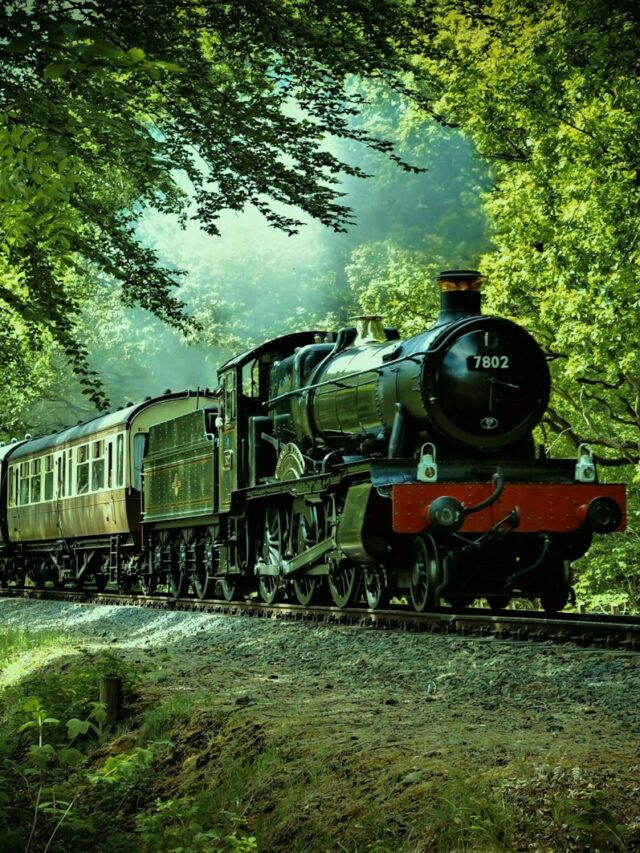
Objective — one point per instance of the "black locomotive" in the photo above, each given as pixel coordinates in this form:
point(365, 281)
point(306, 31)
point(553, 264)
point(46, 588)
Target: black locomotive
point(343, 465)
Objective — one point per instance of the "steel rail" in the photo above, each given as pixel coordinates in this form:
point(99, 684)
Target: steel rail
point(584, 629)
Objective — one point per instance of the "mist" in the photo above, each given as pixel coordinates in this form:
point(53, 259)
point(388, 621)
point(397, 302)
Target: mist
point(254, 282)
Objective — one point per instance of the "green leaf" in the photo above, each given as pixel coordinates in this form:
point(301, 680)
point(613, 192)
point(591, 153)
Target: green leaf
point(77, 727)
point(136, 54)
point(56, 70)
point(70, 757)
point(41, 754)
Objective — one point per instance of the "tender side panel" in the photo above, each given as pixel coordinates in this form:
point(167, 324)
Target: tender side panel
point(178, 469)
point(555, 508)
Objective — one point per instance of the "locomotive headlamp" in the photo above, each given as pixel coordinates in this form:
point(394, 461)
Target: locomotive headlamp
point(459, 280)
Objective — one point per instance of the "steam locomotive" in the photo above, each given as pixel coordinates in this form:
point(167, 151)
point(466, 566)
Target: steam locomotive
point(342, 466)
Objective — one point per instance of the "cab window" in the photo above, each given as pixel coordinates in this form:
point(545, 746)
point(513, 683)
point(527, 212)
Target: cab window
point(230, 396)
point(251, 379)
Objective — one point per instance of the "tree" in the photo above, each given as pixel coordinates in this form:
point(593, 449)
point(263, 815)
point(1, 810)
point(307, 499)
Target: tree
point(109, 109)
point(549, 93)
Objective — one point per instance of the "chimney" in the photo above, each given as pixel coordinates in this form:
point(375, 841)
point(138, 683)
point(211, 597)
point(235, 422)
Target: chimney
point(459, 294)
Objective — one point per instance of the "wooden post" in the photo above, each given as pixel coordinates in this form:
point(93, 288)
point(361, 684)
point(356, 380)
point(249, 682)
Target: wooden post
point(111, 697)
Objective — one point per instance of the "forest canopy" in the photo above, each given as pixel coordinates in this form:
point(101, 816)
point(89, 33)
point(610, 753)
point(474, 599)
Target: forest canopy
point(109, 109)
point(197, 108)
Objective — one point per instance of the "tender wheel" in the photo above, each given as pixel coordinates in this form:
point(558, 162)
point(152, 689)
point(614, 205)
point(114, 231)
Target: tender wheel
point(178, 583)
point(426, 573)
point(203, 580)
point(344, 583)
point(178, 576)
point(557, 586)
point(376, 589)
point(272, 550)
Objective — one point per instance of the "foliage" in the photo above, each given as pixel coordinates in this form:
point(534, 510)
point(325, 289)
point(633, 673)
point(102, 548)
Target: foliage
point(548, 93)
point(180, 825)
point(594, 825)
point(105, 107)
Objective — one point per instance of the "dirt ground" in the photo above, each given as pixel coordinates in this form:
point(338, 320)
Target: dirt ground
point(334, 738)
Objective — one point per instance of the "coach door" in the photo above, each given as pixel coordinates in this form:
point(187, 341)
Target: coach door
point(228, 439)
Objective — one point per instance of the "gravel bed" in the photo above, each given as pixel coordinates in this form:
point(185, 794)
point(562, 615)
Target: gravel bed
point(546, 683)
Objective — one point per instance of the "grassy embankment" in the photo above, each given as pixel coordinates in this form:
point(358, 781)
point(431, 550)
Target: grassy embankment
point(197, 763)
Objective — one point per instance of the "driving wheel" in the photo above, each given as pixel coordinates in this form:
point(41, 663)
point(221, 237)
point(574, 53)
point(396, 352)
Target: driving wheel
point(272, 550)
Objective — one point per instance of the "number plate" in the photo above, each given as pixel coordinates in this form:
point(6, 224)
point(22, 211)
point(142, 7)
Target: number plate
point(488, 362)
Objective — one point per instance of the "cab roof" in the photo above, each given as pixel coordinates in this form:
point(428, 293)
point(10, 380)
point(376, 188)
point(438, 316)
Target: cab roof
point(283, 345)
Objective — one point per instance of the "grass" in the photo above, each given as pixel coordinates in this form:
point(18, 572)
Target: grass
point(310, 772)
point(22, 652)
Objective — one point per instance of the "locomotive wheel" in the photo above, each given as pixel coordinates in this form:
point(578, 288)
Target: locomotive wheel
point(344, 584)
point(272, 549)
point(426, 573)
point(230, 587)
point(306, 588)
point(308, 527)
point(557, 586)
point(376, 589)
point(203, 580)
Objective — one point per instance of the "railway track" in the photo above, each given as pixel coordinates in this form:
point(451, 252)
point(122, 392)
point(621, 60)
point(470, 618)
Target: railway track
point(584, 630)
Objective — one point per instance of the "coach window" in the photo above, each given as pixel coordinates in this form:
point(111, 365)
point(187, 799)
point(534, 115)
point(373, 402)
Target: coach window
point(36, 481)
point(97, 466)
point(70, 472)
point(48, 477)
point(24, 483)
point(60, 462)
point(109, 464)
point(120, 460)
point(82, 469)
point(139, 447)
point(13, 486)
